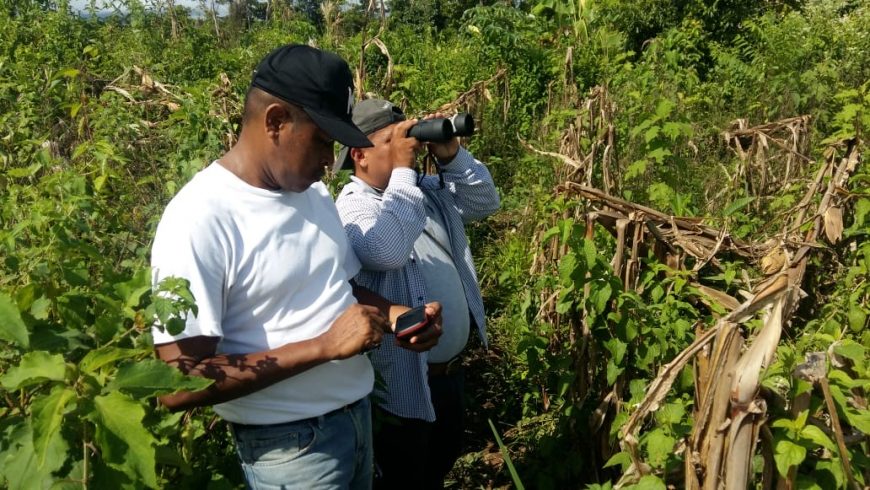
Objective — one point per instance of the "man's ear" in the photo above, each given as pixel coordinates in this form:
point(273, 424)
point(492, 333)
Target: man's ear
point(358, 157)
point(276, 115)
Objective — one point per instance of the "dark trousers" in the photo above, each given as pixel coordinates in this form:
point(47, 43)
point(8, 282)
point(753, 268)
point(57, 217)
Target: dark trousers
point(411, 453)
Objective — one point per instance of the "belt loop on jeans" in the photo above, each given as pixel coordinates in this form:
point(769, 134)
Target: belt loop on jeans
point(445, 368)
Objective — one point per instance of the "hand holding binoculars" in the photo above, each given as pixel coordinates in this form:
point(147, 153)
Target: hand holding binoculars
point(442, 129)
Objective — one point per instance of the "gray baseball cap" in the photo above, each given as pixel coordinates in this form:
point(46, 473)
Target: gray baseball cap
point(369, 115)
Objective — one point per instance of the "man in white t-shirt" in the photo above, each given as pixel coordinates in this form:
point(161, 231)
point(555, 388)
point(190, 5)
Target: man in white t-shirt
point(278, 326)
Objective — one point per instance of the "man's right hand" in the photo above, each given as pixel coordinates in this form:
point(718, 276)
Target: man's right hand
point(403, 149)
point(358, 329)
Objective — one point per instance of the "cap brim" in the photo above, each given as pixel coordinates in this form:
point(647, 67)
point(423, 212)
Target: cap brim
point(343, 161)
point(343, 131)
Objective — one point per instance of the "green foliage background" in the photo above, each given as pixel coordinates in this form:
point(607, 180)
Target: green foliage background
point(103, 119)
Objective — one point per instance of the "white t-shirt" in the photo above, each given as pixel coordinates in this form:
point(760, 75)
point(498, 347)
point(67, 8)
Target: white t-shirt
point(266, 268)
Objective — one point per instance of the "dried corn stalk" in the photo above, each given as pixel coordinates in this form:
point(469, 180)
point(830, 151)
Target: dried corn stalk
point(715, 459)
point(771, 154)
point(729, 415)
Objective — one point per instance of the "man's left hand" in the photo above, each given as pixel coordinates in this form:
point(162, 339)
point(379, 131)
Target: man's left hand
point(428, 337)
point(444, 151)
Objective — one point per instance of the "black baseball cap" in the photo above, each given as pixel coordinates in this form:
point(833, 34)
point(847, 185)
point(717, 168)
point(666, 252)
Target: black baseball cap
point(369, 115)
point(318, 81)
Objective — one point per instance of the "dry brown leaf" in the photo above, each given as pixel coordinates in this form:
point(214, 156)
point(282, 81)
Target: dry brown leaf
point(724, 299)
point(749, 367)
point(565, 159)
point(773, 261)
point(147, 81)
point(834, 224)
point(122, 92)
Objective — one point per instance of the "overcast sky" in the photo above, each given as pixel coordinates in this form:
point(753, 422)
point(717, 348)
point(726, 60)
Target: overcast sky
point(194, 5)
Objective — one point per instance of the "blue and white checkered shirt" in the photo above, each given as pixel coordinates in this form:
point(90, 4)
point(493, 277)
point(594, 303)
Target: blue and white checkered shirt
point(382, 229)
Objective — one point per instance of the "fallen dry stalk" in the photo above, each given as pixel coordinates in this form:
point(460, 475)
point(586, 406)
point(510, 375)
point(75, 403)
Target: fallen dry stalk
point(731, 415)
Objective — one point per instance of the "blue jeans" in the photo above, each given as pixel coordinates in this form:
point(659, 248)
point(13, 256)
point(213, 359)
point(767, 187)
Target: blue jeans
point(332, 451)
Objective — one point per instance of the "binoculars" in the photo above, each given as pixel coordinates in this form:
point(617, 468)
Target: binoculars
point(442, 129)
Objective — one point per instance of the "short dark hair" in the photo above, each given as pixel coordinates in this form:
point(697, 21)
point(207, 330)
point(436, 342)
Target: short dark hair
point(257, 100)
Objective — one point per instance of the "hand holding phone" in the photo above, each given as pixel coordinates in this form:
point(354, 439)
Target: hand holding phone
point(411, 322)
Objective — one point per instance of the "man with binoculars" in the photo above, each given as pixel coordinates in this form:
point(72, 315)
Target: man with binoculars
point(408, 232)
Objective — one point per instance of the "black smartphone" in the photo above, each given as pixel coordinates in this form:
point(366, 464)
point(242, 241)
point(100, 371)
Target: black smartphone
point(410, 322)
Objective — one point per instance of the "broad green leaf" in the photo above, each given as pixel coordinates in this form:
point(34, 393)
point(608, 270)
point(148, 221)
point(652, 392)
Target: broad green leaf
point(21, 468)
point(656, 293)
point(601, 296)
point(737, 205)
point(859, 420)
point(68, 73)
point(850, 350)
point(72, 480)
point(730, 274)
point(73, 307)
point(565, 226)
point(19, 172)
point(788, 454)
point(596, 486)
point(672, 413)
point(613, 371)
point(862, 210)
point(664, 108)
point(857, 318)
point(170, 455)
point(816, 435)
point(637, 388)
point(567, 267)
point(100, 180)
point(659, 154)
point(835, 468)
point(131, 291)
point(554, 231)
point(784, 424)
point(40, 308)
point(617, 349)
point(590, 252)
point(659, 446)
point(98, 358)
point(804, 482)
point(150, 377)
point(618, 422)
point(12, 328)
point(47, 417)
point(801, 420)
point(648, 482)
point(35, 367)
point(638, 167)
point(674, 129)
point(622, 458)
point(122, 438)
point(565, 300)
